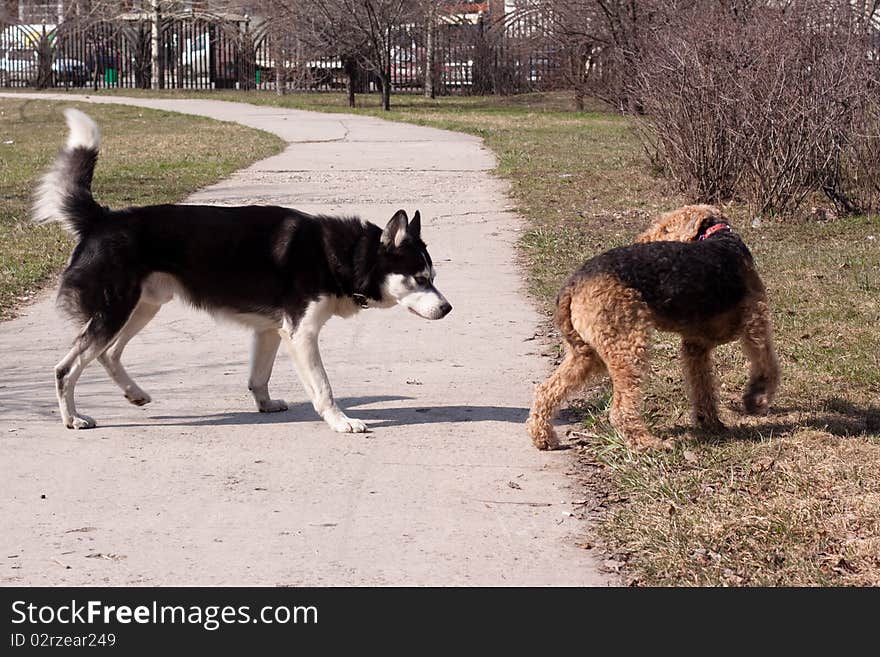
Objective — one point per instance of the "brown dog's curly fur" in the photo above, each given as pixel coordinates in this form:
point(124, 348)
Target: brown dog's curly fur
point(709, 292)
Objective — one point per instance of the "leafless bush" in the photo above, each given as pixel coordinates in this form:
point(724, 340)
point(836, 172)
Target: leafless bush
point(757, 101)
point(853, 183)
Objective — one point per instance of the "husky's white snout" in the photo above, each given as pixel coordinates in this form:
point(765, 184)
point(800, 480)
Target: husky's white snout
point(422, 300)
point(429, 304)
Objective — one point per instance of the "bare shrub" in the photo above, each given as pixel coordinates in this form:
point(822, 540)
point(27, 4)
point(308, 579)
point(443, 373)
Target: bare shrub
point(688, 136)
point(853, 183)
point(755, 101)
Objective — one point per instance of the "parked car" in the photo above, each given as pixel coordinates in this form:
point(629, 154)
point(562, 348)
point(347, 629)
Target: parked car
point(67, 72)
point(19, 67)
point(458, 73)
point(407, 67)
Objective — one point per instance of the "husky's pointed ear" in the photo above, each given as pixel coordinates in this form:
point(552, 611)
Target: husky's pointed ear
point(395, 231)
point(415, 226)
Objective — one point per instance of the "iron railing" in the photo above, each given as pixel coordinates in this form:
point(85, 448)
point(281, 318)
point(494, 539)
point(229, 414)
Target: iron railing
point(233, 52)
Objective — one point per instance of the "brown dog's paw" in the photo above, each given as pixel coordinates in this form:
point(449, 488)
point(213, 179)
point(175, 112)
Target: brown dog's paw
point(710, 424)
point(549, 442)
point(756, 404)
point(543, 437)
point(647, 442)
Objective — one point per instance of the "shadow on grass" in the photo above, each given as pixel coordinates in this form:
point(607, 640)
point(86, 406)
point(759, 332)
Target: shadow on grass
point(836, 416)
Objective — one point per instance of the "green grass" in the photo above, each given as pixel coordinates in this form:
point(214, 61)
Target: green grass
point(793, 498)
point(147, 156)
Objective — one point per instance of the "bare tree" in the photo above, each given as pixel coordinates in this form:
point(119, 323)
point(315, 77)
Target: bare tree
point(573, 28)
point(602, 41)
point(155, 43)
point(45, 39)
point(431, 10)
point(365, 31)
point(434, 13)
point(87, 26)
point(296, 27)
point(281, 25)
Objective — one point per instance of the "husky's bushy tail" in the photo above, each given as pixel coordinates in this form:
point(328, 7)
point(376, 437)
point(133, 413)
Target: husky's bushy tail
point(65, 192)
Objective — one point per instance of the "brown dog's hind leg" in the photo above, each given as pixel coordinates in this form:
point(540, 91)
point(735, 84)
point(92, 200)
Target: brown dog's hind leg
point(626, 370)
point(757, 342)
point(702, 388)
point(617, 323)
point(570, 376)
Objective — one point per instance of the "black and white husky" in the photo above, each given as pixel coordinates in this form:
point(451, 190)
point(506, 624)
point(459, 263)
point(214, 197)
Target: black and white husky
point(281, 272)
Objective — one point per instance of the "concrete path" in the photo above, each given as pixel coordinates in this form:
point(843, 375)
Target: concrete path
point(197, 488)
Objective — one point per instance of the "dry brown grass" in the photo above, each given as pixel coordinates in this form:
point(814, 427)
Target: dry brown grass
point(797, 509)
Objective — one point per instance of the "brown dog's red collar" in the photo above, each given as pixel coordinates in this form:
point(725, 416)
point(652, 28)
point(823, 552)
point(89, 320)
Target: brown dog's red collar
point(711, 230)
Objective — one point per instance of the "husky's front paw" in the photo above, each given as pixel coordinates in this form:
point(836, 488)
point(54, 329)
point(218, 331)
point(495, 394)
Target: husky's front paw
point(272, 406)
point(138, 397)
point(80, 422)
point(341, 423)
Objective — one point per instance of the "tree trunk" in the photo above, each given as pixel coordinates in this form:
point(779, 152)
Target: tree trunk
point(385, 74)
point(280, 74)
point(580, 80)
point(429, 60)
point(350, 65)
point(280, 82)
point(155, 42)
point(44, 62)
point(385, 83)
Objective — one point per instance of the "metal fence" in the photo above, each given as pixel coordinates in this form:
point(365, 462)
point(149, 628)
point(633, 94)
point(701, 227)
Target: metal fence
point(230, 52)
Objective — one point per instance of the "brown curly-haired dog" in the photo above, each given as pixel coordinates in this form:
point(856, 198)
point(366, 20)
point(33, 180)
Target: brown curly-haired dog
point(688, 273)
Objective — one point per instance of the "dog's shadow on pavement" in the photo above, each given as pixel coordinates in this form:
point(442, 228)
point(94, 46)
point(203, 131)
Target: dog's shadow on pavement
point(374, 417)
point(410, 415)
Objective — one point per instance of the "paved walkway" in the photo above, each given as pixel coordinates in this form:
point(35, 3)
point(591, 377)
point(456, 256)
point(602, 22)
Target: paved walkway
point(197, 488)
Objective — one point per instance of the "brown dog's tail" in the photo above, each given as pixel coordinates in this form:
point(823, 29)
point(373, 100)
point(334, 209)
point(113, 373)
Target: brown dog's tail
point(562, 319)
